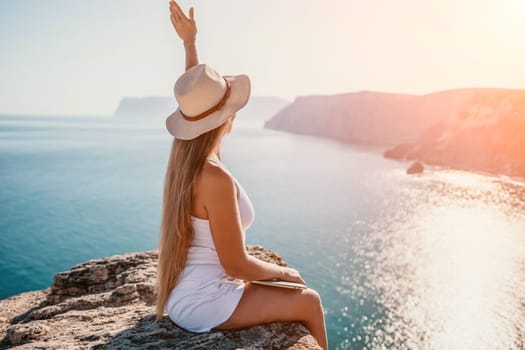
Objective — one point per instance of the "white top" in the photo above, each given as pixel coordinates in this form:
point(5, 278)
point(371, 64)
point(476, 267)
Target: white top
point(205, 295)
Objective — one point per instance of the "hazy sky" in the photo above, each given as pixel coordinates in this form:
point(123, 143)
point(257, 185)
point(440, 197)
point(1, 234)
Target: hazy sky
point(80, 57)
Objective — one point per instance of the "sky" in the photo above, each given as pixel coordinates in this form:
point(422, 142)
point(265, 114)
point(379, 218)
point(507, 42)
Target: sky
point(71, 57)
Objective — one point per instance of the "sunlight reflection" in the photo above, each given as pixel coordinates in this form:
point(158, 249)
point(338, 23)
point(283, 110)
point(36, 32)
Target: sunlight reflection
point(464, 268)
point(444, 268)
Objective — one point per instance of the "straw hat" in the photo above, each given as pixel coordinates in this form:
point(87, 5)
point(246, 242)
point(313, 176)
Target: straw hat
point(206, 100)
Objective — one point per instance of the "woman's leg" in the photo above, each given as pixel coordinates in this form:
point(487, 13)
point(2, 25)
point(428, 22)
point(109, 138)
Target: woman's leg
point(263, 304)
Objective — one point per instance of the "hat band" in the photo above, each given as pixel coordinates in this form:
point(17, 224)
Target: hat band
point(212, 109)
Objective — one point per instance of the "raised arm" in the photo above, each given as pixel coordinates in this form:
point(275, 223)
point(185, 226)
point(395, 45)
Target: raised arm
point(187, 31)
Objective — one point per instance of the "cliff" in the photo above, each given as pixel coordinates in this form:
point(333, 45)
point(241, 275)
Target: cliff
point(480, 129)
point(487, 133)
point(145, 108)
point(108, 303)
point(367, 117)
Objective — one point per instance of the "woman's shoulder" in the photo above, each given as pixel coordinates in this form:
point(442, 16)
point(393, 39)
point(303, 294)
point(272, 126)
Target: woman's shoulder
point(215, 179)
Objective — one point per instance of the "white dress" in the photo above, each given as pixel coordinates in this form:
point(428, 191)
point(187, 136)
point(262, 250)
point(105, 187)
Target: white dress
point(205, 295)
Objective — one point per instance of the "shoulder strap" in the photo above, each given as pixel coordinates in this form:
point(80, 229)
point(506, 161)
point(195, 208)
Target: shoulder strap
point(214, 160)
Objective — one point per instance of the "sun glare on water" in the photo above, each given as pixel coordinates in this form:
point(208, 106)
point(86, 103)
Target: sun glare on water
point(446, 265)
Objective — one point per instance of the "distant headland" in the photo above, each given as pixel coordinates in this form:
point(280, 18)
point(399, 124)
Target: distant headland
point(480, 129)
point(155, 108)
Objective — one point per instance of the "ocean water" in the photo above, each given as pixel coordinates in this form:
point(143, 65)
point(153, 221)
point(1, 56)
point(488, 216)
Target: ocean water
point(432, 261)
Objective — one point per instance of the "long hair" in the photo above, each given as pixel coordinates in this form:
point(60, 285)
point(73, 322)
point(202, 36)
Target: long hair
point(186, 162)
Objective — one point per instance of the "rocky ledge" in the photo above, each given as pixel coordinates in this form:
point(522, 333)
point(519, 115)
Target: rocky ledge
point(108, 303)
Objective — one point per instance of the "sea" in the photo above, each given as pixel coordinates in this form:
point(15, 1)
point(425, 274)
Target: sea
point(428, 261)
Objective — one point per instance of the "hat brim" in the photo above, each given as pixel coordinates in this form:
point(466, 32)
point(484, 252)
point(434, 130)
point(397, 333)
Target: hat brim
point(186, 130)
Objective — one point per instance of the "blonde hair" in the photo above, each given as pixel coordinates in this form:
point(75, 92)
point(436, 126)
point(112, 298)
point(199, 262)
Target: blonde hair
point(186, 162)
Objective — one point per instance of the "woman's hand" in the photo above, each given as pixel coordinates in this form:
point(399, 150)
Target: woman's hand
point(291, 275)
point(184, 26)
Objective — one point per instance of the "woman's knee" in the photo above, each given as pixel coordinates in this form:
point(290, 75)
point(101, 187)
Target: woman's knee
point(313, 301)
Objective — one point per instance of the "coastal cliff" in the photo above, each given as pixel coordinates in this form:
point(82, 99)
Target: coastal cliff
point(368, 117)
point(144, 108)
point(480, 129)
point(108, 303)
point(487, 133)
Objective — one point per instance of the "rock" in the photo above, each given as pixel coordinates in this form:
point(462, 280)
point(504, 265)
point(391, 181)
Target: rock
point(399, 152)
point(26, 332)
point(108, 303)
point(415, 168)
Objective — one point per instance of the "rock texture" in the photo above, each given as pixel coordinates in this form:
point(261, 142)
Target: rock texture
point(108, 303)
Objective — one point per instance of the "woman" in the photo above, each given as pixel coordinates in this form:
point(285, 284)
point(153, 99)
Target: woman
point(204, 269)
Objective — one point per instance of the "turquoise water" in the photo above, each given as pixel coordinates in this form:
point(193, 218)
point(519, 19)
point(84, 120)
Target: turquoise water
point(435, 261)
